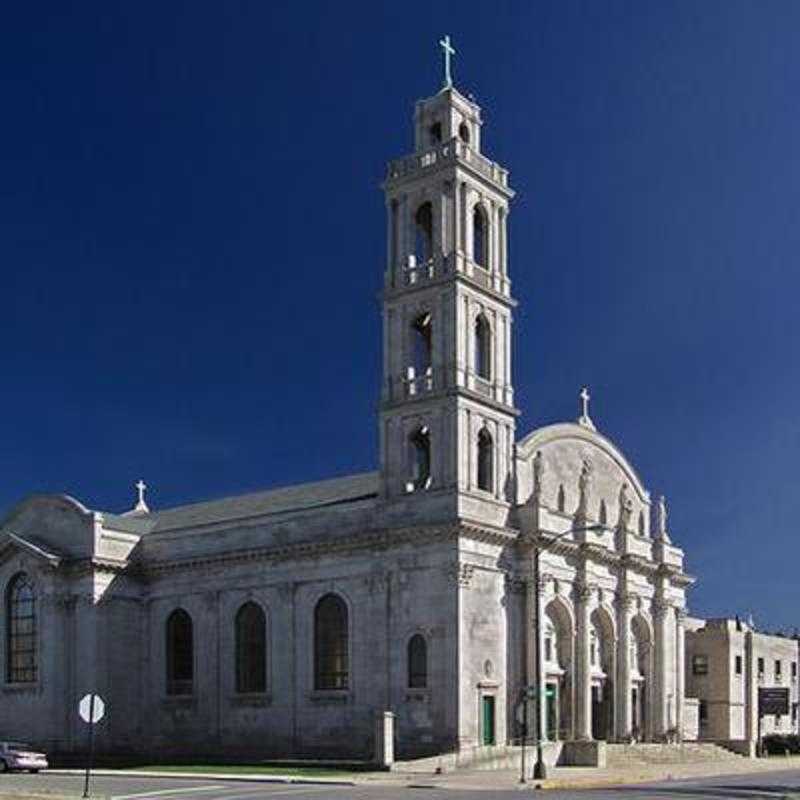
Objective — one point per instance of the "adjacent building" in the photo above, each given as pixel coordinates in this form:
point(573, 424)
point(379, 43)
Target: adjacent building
point(727, 663)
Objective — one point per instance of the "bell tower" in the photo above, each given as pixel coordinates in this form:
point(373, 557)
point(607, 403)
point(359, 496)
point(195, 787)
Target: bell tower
point(447, 415)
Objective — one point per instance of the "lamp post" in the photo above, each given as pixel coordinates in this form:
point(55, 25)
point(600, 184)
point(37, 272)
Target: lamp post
point(539, 769)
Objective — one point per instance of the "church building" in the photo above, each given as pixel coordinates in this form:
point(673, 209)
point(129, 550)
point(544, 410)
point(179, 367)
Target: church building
point(282, 622)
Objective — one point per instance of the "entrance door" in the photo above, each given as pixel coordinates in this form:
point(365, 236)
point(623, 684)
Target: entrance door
point(551, 707)
point(598, 721)
point(488, 720)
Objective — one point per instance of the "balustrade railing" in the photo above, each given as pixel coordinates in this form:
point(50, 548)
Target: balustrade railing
point(447, 151)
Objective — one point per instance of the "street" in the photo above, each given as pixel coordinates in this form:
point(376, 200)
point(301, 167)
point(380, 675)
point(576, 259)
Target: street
point(763, 785)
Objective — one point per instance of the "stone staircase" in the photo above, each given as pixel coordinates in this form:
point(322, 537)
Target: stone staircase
point(639, 755)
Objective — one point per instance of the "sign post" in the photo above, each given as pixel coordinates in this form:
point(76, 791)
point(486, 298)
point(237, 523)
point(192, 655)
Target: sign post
point(771, 700)
point(91, 710)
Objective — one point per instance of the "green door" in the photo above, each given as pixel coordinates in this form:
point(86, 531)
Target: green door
point(488, 720)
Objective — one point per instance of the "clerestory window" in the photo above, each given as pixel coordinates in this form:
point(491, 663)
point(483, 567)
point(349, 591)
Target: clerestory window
point(21, 625)
point(331, 662)
point(251, 649)
point(180, 653)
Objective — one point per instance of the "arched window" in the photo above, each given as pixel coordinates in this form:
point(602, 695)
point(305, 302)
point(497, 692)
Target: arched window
point(480, 238)
point(330, 644)
point(420, 458)
point(21, 666)
point(435, 133)
point(641, 523)
point(422, 344)
point(483, 348)
point(180, 653)
point(423, 230)
point(463, 132)
point(251, 649)
point(603, 513)
point(485, 461)
point(561, 498)
point(417, 662)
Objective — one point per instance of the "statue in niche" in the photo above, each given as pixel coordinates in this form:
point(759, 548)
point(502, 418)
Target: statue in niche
point(625, 508)
point(584, 489)
point(538, 475)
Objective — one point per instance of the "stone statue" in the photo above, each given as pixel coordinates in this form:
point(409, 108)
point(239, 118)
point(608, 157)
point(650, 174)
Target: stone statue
point(625, 508)
point(584, 488)
point(538, 475)
point(661, 519)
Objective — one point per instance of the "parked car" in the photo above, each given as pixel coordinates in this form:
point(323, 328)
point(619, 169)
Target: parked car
point(16, 755)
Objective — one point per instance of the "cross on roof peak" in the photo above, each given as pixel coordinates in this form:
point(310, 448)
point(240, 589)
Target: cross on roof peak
point(141, 505)
point(448, 51)
point(584, 418)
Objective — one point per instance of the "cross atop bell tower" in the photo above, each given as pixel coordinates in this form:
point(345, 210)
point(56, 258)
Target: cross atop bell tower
point(447, 404)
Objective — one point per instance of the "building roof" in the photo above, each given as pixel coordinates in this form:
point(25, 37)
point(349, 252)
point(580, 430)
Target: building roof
point(272, 502)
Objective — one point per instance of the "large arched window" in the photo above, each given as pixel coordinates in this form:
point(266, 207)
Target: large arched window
point(483, 348)
point(330, 644)
point(417, 662)
point(480, 238)
point(485, 461)
point(251, 649)
point(180, 653)
point(420, 458)
point(21, 666)
point(423, 233)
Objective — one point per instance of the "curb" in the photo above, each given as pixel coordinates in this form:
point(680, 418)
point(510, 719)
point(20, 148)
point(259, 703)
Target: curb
point(205, 776)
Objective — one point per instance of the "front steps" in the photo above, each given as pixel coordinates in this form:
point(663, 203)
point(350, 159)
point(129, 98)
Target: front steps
point(618, 756)
point(645, 754)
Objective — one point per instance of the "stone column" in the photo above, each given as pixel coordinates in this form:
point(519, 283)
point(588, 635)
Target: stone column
point(623, 681)
point(680, 668)
point(583, 667)
point(660, 667)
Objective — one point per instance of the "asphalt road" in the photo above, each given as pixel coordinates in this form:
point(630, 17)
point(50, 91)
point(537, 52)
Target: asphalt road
point(760, 786)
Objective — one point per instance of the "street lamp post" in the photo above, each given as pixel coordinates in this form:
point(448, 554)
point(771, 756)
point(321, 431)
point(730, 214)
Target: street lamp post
point(539, 768)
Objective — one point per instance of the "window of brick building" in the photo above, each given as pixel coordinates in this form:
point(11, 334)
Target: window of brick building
point(700, 665)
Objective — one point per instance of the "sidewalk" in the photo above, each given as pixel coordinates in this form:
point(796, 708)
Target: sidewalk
point(590, 777)
point(489, 780)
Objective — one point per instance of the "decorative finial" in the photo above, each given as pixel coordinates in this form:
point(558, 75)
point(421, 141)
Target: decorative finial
point(448, 51)
point(584, 419)
point(141, 505)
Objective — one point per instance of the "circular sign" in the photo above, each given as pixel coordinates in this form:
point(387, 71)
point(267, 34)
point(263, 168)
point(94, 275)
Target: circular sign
point(92, 712)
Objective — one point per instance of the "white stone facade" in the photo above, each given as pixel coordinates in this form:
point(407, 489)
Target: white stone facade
point(437, 544)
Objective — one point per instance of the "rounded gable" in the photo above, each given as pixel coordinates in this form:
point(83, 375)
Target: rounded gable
point(565, 447)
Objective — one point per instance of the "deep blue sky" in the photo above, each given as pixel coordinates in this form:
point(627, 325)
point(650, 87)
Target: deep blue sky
point(192, 240)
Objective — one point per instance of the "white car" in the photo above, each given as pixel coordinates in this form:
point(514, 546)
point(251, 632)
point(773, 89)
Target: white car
point(15, 755)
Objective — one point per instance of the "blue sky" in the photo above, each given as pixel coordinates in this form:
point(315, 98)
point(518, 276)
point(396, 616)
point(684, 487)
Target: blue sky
point(192, 241)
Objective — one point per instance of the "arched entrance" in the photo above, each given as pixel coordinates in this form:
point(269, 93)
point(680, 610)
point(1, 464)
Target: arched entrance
point(558, 658)
point(602, 665)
